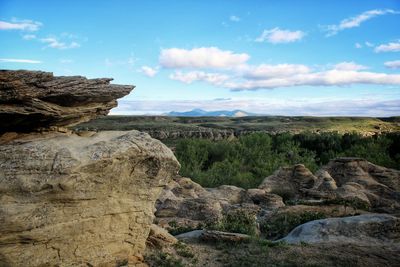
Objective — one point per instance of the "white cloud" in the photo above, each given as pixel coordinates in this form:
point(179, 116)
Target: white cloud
point(332, 77)
point(148, 71)
point(356, 21)
point(55, 43)
point(392, 64)
point(369, 44)
point(234, 18)
point(357, 45)
point(13, 60)
point(192, 76)
point(22, 25)
point(264, 71)
point(270, 106)
point(277, 35)
point(390, 47)
point(349, 65)
point(238, 75)
point(29, 37)
point(203, 57)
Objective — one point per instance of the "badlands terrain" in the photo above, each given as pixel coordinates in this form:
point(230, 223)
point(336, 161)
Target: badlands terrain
point(93, 194)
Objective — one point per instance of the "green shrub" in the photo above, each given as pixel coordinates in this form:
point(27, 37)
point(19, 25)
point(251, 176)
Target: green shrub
point(282, 224)
point(237, 221)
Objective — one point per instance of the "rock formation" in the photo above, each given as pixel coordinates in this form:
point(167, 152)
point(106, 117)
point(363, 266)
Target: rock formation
point(33, 99)
point(184, 203)
point(350, 180)
point(69, 200)
point(344, 187)
point(364, 229)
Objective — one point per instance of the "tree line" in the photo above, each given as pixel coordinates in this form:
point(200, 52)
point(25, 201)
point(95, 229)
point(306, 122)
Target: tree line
point(247, 160)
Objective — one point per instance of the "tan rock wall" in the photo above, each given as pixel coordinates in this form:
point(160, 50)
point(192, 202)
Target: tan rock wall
point(80, 201)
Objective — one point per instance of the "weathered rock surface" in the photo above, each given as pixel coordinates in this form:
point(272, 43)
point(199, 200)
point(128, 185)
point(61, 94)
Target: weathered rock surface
point(368, 229)
point(33, 99)
point(187, 204)
point(353, 180)
point(213, 236)
point(68, 200)
point(159, 237)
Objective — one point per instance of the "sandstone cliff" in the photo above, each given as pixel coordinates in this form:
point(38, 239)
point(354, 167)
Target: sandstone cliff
point(69, 200)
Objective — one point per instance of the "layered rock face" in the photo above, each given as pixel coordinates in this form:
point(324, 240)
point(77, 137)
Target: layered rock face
point(69, 200)
point(35, 99)
point(74, 200)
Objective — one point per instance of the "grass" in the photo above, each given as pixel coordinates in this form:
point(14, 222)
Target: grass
point(251, 123)
point(162, 259)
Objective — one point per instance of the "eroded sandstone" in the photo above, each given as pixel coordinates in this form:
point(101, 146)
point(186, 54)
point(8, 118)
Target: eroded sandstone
point(35, 99)
point(80, 201)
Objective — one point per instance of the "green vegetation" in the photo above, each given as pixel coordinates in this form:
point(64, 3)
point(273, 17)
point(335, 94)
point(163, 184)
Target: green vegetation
point(282, 224)
point(270, 124)
point(175, 229)
point(247, 160)
point(183, 250)
point(163, 259)
point(237, 221)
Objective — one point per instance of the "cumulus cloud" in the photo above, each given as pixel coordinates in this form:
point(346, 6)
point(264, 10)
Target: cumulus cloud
point(203, 57)
point(149, 71)
point(276, 36)
point(192, 76)
point(332, 77)
point(356, 20)
point(235, 74)
point(264, 71)
point(234, 18)
point(349, 65)
point(392, 64)
point(390, 47)
point(22, 25)
point(53, 42)
point(357, 45)
point(13, 60)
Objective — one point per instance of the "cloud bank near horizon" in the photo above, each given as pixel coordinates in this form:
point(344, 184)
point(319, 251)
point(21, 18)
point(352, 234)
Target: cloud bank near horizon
point(357, 107)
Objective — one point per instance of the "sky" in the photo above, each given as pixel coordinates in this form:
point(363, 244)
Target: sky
point(305, 57)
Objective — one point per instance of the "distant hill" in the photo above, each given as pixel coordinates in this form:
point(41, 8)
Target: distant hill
point(216, 113)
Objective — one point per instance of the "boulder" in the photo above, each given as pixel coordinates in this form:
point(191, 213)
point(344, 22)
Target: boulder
point(159, 237)
point(369, 229)
point(70, 200)
point(30, 100)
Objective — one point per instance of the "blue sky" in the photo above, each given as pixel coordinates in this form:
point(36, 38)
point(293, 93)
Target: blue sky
point(271, 57)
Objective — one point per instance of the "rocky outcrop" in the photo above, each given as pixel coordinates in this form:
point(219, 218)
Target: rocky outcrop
point(34, 99)
point(68, 199)
point(369, 229)
point(72, 200)
point(184, 203)
point(352, 181)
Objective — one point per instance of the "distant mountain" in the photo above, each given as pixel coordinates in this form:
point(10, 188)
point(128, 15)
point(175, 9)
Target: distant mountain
point(216, 113)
